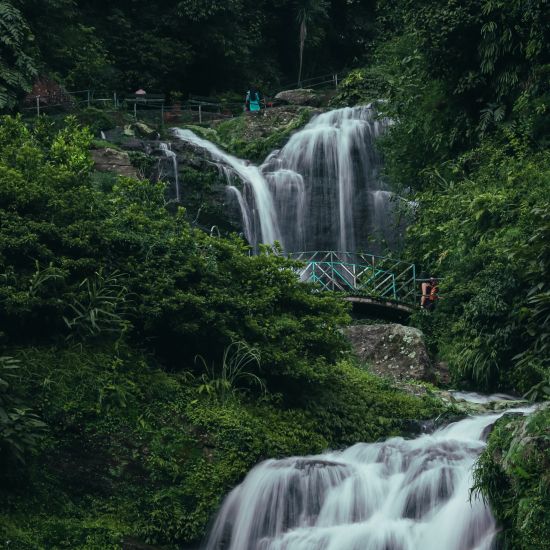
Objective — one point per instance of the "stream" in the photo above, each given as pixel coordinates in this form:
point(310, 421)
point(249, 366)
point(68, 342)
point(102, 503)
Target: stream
point(395, 495)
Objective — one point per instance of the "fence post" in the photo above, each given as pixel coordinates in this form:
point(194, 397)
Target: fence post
point(135, 110)
point(114, 99)
point(336, 80)
point(162, 115)
point(200, 114)
point(88, 93)
point(37, 105)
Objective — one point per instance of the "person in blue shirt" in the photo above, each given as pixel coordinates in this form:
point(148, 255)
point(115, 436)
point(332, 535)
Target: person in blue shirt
point(253, 100)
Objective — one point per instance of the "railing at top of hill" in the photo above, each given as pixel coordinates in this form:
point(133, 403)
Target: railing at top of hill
point(360, 274)
point(151, 105)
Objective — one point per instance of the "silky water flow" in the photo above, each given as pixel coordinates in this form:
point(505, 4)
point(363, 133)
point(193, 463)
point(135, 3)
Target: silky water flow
point(397, 495)
point(321, 191)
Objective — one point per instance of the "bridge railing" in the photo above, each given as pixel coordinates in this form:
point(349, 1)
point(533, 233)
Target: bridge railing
point(360, 274)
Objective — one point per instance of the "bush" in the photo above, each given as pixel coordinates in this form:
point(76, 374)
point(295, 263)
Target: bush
point(513, 475)
point(189, 291)
point(20, 429)
point(484, 235)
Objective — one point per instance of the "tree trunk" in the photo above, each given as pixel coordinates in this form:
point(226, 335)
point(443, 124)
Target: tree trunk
point(303, 34)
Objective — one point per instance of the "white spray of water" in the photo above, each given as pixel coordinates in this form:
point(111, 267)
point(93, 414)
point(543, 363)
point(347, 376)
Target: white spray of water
point(336, 159)
point(249, 174)
point(169, 154)
point(398, 495)
point(315, 193)
point(247, 226)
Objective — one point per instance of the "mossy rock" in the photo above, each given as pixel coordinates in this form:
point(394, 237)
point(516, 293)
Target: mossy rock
point(253, 136)
point(514, 475)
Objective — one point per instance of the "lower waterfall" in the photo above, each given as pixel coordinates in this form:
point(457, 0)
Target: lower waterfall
point(396, 495)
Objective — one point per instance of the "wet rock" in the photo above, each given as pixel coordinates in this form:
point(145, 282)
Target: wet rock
point(304, 464)
point(111, 160)
point(393, 351)
point(135, 145)
point(442, 373)
point(141, 129)
point(300, 96)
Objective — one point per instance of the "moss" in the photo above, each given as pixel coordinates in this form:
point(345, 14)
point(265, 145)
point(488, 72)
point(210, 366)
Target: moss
point(513, 474)
point(254, 137)
point(102, 143)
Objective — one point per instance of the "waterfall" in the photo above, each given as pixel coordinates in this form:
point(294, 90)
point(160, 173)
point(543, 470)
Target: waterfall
point(169, 154)
point(250, 175)
point(247, 226)
point(319, 192)
point(399, 495)
point(336, 158)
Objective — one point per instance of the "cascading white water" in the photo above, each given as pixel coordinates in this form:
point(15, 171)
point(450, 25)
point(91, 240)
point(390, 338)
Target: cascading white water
point(169, 154)
point(251, 176)
point(336, 159)
point(247, 226)
point(319, 191)
point(397, 495)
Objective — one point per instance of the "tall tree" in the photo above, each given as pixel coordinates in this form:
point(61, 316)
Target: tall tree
point(309, 12)
point(17, 68)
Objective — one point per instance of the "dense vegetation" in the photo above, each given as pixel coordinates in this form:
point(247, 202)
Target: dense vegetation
point(513, 475)
point(468, 86)
point(182, 46)
point(145, 366)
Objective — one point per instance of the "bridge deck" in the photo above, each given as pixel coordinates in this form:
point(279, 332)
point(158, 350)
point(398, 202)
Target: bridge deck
point(365, 278)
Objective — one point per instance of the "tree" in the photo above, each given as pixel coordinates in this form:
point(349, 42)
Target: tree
point(17, 67)
point(309, 11)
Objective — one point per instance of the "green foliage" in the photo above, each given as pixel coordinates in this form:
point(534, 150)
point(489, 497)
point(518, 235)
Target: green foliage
point(536, 316)
point(102, 308)
point(226, 380)
point(20, 429)
point(475, 232)
point(355, 89)
point(513, 475)
point(135, 451)
point(190, 292)
point(254, 138)
point(89, 64)
point(352, 405)
point(97, 119)
point(160, 46)
point(469, 104)
point(107, 298)
point(17, 66)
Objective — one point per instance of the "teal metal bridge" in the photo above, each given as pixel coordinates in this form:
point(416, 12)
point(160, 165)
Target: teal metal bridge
point(364, 278)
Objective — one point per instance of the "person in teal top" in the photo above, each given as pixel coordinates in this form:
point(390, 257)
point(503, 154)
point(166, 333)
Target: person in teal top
point(253, 99)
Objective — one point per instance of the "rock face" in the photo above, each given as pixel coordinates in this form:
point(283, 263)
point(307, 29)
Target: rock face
point(141, 129)
point(301, 96)
point(392, 351)
point(111, 160)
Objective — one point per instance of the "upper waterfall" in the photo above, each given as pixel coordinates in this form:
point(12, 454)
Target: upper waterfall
point(321, 191)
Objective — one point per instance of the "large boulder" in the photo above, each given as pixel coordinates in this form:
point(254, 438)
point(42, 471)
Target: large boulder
point(112, 160)
point(301, 96)
point(393, 351)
